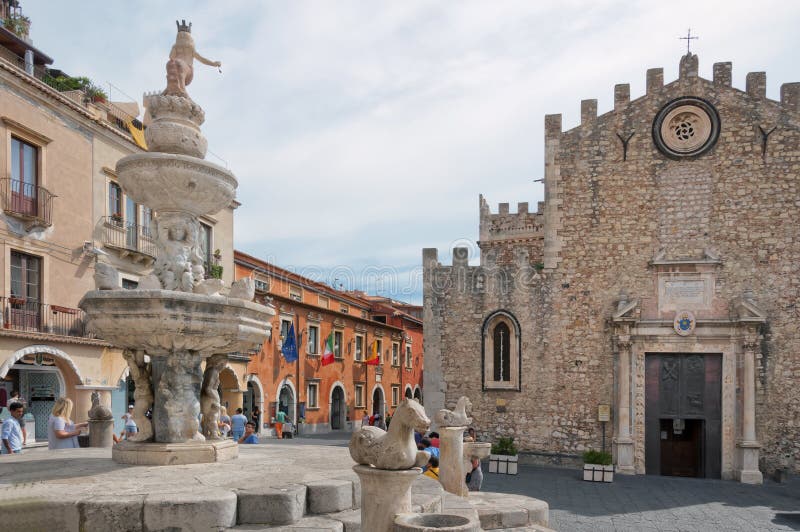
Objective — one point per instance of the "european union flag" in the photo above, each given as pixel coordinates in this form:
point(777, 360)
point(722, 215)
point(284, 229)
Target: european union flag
point(289, 347)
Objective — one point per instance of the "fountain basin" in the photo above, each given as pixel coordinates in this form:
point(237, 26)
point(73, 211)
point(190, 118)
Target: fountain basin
point(164, 321)
point(474, 449)
point(168, 182)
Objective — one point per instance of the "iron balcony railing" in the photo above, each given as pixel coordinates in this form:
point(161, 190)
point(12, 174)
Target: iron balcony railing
point(27, 315)
point(121, 234)
point(26, 200)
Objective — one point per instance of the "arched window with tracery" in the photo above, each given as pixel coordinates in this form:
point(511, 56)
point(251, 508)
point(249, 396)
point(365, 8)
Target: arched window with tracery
point(501, 352)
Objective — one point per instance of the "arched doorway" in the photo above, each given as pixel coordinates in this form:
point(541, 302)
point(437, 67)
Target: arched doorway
point(418, 394)
point(338, 408)
point(378, 401)
point(42, 374)
point(287, 402)
point(408, 393)
point(228, 389)
point(254, 397)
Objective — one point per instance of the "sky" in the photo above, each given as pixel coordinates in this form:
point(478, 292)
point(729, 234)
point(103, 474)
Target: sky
point(363, 131)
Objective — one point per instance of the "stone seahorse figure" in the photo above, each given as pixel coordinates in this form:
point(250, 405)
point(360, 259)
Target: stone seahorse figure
point(393, 449)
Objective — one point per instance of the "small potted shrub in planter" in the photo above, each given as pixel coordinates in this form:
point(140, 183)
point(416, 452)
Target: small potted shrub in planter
point(503, 459)
point(597, 466)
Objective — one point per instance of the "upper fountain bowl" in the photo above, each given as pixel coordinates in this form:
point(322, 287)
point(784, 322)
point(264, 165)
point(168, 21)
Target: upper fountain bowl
point(171, 182)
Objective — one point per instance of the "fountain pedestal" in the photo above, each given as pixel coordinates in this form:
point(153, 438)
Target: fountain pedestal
point(193, 452)
point(384, 494)
point(451, 460)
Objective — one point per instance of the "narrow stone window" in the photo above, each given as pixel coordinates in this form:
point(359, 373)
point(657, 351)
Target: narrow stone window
point(502, 365)
point(501, 352)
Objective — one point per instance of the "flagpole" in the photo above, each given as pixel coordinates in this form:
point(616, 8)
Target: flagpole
point(299, 384)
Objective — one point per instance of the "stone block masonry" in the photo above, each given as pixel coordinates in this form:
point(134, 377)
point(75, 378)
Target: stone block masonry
point(701, 196)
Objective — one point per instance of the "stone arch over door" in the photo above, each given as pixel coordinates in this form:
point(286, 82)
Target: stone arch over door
point(230, 395)
point(337, 404)
point(409, 392)
point(286, 400)
point(62, 378)
point(418, 394)
point(378, 400)
point(258, 397)
point(34, 349)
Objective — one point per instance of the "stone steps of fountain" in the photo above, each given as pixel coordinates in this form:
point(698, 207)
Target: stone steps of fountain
point(333, 504)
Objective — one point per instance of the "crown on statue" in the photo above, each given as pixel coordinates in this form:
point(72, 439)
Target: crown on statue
point(182, 26)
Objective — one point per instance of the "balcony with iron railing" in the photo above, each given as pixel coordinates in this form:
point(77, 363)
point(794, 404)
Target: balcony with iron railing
point(129, 238)
point(29, 316)
point(27, 201)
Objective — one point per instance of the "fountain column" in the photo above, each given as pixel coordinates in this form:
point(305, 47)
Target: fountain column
point(451, 460)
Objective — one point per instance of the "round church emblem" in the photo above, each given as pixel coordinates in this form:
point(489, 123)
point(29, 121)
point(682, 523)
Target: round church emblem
point(684, 323)
point(686, 127)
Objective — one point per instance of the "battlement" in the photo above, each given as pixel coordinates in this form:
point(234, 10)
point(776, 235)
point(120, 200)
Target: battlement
point(522, 224)
point(755, 87)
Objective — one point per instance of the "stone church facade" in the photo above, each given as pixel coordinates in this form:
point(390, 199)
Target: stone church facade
point(660, 277)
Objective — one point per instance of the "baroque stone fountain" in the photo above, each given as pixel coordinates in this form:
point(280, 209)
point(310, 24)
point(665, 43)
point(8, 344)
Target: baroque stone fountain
point(176, 318)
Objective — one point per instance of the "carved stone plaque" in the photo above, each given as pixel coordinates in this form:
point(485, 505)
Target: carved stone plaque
point(683, 292)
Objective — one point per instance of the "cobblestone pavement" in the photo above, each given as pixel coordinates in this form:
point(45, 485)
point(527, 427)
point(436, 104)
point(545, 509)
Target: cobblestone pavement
point(645, 503)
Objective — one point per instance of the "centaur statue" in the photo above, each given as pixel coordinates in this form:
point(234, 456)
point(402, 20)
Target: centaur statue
point(181, 59)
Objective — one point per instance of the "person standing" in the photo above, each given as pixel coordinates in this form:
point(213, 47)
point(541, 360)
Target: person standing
point(11, 431)
point(475, 477)
point(256, 417)
point(365, 420)
point(62, 433)
point(280, 419)
point(249, 435)
point(130, 425)
point(224, 421)
point(238, 422)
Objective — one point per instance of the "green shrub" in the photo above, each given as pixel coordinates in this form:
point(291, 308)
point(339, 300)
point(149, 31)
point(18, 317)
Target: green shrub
point(215, 271)
point(597, 457)
point(505, 446)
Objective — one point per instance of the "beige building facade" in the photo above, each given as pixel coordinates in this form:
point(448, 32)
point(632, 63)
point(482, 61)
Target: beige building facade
point(62, 212)
point(658, 281)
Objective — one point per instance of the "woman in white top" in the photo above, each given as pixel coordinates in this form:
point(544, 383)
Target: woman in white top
point(62, 433)
point(130, 425)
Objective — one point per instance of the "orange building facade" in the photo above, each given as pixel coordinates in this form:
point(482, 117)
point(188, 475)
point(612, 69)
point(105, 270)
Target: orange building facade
point(337, 396)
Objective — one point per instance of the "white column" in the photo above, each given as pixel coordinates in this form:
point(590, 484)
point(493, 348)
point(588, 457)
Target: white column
point(748, 445)
point(451, 460)
point(623, 442)
point(384, 494)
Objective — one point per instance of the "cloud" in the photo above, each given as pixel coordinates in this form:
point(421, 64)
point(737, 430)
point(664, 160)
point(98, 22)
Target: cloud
point(362, 132)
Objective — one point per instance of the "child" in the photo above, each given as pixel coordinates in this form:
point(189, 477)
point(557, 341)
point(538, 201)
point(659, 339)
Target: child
point(249, 433)
point(432, 469)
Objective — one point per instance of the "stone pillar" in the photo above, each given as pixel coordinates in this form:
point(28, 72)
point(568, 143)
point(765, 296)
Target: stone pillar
point(623, 442)
point(384, 494)
point(451, 460)
point(748, 445)
point(101, 432)
point(176, 387)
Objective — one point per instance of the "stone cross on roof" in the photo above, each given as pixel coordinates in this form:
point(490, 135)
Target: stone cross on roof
point(688, 39)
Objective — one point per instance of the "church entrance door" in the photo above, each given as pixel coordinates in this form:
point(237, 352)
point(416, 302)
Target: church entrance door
point(683, 414)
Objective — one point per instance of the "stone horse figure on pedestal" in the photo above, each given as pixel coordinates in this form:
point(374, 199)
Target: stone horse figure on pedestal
point(396, 448)
point(457, 417)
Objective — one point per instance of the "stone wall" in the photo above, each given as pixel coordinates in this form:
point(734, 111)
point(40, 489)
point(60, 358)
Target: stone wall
point(608, 215)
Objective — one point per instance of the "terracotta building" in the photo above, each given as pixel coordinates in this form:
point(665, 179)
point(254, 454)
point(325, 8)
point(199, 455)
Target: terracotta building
point(338, 395)
point(651, 300)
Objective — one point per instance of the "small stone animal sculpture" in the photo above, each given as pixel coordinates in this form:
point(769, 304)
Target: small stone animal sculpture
point(243, 289)
point(98, 411)
point(457, 417)
point(396, 448)
point(106, 277)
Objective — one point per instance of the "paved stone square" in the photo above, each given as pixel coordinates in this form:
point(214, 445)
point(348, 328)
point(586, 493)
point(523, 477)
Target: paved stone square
point(645, 503)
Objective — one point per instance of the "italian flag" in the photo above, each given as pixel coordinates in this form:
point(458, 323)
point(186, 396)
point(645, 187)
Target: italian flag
point(327, 355)
point(373, 359)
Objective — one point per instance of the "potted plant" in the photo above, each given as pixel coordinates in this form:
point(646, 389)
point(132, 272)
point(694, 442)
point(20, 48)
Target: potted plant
point(215, 271)
point(597, 466)
point(503, 458)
